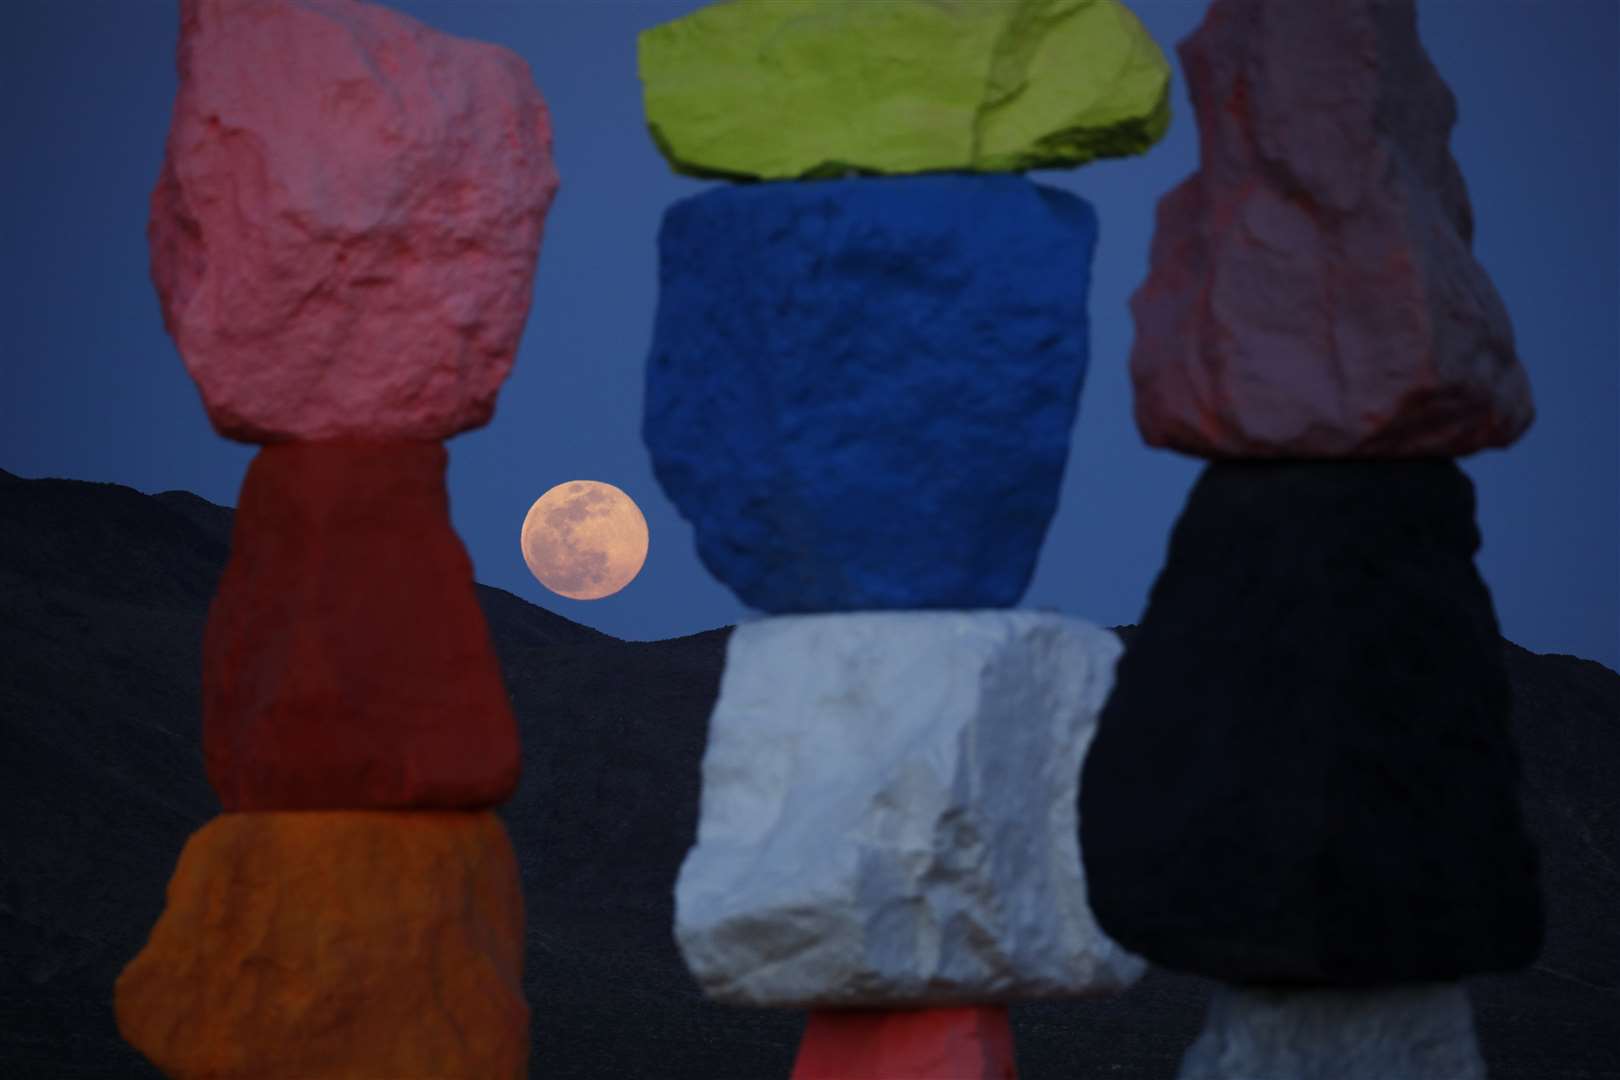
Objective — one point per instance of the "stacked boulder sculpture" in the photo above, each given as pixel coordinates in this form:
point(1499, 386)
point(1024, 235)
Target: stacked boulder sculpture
point(1304, 782)
point(343, 240)
point(860, 392)
point(919, 803)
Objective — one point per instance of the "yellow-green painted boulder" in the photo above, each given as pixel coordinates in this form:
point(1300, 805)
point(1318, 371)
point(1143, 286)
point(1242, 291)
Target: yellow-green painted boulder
point(790, 89)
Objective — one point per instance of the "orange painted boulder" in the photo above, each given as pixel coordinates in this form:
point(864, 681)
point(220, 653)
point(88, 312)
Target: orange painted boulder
point(346, 664)
point(972, 1043)
point(346, 944)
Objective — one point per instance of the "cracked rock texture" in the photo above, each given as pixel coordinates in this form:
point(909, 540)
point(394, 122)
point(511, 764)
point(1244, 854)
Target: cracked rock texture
point(1411, 1033)
point(344, 232)
point(325, 945)
point(1306, 772)
point(346, 664)
point(902, 86)
point(888, 813)
point(1312, 291)
point(860, 392)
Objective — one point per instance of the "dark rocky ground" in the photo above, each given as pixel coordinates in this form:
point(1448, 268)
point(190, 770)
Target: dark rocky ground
point(103, 595)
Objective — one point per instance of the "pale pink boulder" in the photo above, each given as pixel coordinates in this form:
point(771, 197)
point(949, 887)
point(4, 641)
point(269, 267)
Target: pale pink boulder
point(345, 230)
point(1312, 290)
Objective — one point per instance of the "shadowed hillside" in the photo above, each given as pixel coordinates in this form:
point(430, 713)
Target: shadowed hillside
point(104, 592)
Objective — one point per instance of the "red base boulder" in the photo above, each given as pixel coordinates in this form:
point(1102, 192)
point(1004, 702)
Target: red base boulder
point(347, 664)
point(971, 1043)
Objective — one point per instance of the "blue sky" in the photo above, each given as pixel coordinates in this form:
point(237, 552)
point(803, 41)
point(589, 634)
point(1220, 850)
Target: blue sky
point(94, 390)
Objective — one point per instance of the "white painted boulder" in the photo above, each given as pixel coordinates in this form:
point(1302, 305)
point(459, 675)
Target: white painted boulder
point(1422, 1032)
point(889, 813)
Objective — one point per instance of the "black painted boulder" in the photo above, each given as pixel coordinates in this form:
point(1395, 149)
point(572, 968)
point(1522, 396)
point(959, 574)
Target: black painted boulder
point(1305, 773)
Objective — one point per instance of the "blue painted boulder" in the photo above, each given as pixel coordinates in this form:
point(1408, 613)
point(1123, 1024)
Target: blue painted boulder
point(860, 391)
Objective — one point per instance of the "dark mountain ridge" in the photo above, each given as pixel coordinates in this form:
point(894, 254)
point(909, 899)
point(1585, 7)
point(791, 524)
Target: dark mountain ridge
point(103, 596)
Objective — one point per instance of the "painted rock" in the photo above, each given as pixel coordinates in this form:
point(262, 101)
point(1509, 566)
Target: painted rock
point(967, 1043)
point(901, 87)
point(344, 232)
point(1413, 1033)
point(888, 813)
point(346, 663)
point(860, 392)
point(1306, 772)
point(1313, 292)
point(327, 945)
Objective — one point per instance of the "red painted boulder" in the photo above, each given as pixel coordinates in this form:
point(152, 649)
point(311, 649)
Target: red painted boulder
point(971, 1043)
point(344, 232)
point(346, 663)
point(1312, 291)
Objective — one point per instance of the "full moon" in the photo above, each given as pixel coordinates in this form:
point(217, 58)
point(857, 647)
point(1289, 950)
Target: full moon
point(584, 539)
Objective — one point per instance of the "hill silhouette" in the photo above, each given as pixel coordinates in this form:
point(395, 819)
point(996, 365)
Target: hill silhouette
point(104, 593)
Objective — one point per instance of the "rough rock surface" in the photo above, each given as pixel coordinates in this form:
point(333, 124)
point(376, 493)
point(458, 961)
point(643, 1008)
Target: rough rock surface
point(347, 664)
point(888, 813)
point(964, 1043)
point(901, 87)
point(104, 781)
point(860, 392)
point(1412, 1033)
point(1313, 292)
point(324, 945)
point(345, 229)
point(1306, 771)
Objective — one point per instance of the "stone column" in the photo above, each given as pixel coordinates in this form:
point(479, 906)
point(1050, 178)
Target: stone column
point(1305, 782)
point(860, 393)
point(343, 240)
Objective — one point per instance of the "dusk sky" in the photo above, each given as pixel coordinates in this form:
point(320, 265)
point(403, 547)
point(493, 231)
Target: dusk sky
point(95, 390)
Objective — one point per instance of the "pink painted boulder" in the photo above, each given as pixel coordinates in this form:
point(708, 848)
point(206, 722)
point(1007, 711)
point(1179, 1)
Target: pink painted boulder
point(1312, 291)
point(344, 234)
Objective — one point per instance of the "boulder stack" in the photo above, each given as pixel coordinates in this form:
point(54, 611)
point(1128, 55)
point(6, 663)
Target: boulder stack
point(343, 241)
point(1304, 782)
point(860, 393)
